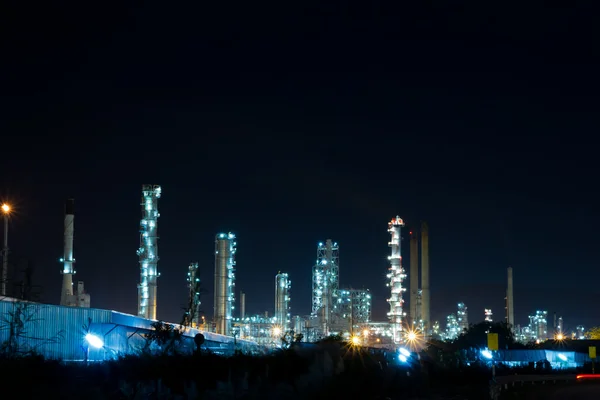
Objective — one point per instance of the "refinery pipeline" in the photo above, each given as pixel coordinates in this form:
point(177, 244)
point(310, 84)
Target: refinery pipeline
point(335, 310)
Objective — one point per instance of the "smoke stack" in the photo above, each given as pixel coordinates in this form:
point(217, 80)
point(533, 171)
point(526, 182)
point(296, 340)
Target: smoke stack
point(67, 297)
point(242, 305)
point(510, 310)
point(415, 313)
point(425, 305)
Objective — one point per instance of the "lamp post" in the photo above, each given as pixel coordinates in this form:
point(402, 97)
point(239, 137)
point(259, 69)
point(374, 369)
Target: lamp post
point(6, 212)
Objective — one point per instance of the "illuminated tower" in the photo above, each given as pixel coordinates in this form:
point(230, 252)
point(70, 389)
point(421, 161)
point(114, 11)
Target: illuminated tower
point(396, 277)
point(282, 301)
point(225, 248)
point(488, 315)
point(193, 280)
point(148, 252)
point(325, 286)
point(462, 317)
point(67, 295)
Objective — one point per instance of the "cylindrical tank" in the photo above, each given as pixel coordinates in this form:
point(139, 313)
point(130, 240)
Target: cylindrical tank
point(225, 248)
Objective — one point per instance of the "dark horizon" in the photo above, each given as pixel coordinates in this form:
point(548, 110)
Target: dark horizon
point(319, 123)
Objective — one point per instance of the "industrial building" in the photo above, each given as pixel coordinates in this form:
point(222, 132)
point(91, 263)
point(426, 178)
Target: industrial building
point(225, 249)
point(78, 334)
point(487, 315)
point(462, 317)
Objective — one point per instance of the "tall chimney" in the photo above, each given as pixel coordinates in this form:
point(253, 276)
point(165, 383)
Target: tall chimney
point(510, 306)
point(425, 305)
point(67, 297)
point(242, 305)
point(415, 313)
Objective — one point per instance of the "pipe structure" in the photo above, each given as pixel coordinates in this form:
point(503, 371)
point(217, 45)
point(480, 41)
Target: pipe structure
point(148, 252)
point(425, 292)
point(67, 296)
point(415, 311)
point(510, 308)
point(242, 305)
point(396, 275)
point(282, 301)
point(225, 249)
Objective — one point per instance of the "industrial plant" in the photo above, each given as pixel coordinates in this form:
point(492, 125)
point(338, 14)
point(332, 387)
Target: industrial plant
point(336, 309)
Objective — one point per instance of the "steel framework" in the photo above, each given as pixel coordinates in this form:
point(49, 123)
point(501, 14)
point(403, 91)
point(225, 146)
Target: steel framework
point(148, 252)
point(326, 285)
point(396, 276)
point(225, 249)
point(67, 296)
point(193, 280)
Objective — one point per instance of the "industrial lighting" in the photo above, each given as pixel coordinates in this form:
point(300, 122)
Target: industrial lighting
point(355, 340)
point(366, 332)
point(562, 357)
point(276, 331)
point(5, 208)
point(560, 336)
point(402, 358)
point(94, 341)
point(487, 354)
point(404, 352)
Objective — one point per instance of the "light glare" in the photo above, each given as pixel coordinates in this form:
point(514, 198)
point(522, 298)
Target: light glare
point(94, 341)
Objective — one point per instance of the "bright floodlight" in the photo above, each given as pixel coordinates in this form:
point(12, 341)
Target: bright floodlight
point(411, 336)
point(276, 331)
point(94, 341)
point(5, 208)
point(366, 332)
point(404, 352)
point(402, 358)
point(355, 340)
point(560, 336)
point(562, 357)
point(487, 354)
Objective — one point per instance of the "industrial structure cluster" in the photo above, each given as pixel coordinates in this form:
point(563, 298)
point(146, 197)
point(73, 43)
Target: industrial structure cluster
point(335, 310)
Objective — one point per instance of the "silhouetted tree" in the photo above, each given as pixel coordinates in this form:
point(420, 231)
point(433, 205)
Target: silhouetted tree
point(476, 336)
point(593, 333)
point(166, 336)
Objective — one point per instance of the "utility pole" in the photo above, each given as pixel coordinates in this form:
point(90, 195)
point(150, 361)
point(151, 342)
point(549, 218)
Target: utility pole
point(6, 211)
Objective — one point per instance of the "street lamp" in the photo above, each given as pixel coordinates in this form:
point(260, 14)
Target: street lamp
point(6, 211)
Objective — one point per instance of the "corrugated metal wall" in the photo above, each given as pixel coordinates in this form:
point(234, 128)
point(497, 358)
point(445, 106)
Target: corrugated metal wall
point(58, 332)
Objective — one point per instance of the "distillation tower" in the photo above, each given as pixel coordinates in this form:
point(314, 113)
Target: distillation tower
point(282, 301)
point(415, 293)
point(148, 252)
point(396, 277)
point(67, 297)
point(193, 280)
point(326, 284)
point(225, 249)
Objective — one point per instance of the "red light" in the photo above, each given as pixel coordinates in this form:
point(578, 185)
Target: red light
point(410, 232)
point(588, 376)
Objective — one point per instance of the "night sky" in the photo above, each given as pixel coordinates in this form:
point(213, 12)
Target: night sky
point(295, 124)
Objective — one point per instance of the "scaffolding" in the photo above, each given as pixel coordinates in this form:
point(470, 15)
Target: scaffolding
point(148, 252)
point(396, 276)
point(325, 287)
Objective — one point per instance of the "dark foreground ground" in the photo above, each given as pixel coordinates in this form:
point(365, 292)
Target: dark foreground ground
point(570, 391)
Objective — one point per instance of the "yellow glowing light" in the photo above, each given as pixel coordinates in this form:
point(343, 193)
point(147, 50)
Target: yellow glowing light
point(276, 331)
point(355, 340)
point(366, 332)
point(5, 208)
point(560, 336)
point(411, 336)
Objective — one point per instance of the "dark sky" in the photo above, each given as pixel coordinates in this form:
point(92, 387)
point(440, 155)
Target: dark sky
point(295, 124)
